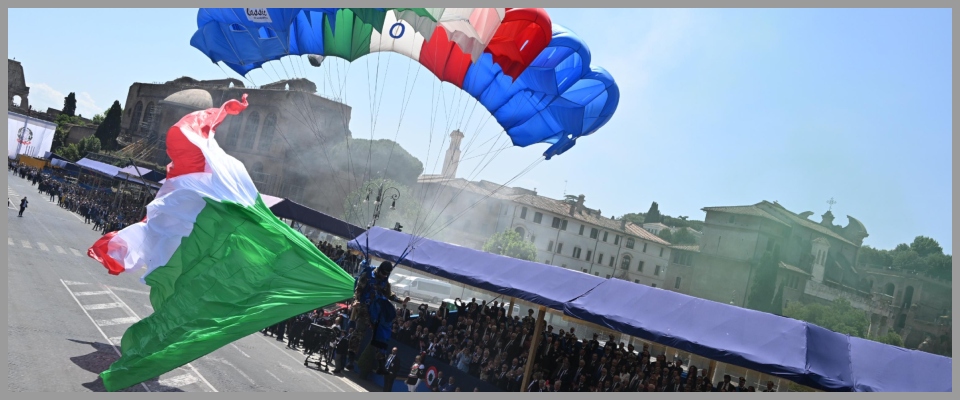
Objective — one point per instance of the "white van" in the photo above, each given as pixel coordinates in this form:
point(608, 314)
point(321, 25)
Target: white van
point(430, 290)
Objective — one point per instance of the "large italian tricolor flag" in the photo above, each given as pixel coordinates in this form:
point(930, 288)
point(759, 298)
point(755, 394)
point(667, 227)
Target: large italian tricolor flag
point(219, 264)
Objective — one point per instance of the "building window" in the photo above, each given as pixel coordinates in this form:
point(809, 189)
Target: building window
point(233, 133)
point(661, 252)
point(605, 236)
point(563, 225)
point(137, 113)
point(576, 252)
point(593, 233)
point(550, 246)
point(537, 217)
point(608, 276)
point(521, 232)
point(250, 130)
point(559, 248)
point(147, 117)
point(555, 223)
point(640, 266)
point(585, 271)
point(533, 238)
point(644, 247)
point(612, 259)
point(546, 262)
point(653, 285)
point(582, 226)
point(630, 243)
point(636, 281)
point(656, 271)
point(523, 213)
point(589, 255)
point(266, 135)
point(563, 265)
point(625, 263)
point(616, 240)
point(677, 285)
point(600, 258)
point(596, 274)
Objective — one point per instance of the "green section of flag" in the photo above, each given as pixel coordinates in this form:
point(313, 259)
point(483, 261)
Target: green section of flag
point(239, 271)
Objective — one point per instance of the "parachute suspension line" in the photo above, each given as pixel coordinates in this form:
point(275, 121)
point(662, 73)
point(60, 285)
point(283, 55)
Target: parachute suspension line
point(421, 191)
point(404, 106)
point(471, 176)
point(520, 174)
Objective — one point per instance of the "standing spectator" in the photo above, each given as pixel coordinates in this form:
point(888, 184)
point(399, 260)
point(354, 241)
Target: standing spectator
point(391, 367)
point(415, 376)
point(23, 205)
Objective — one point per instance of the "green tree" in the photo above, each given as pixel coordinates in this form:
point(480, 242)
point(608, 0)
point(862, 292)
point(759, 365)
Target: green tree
point(70, 104)
point(683, 236)
point(88, 145)
point(61, 134)
point(359, 208)
point(891, 338)
point(386, 160)
point(838, 316)
point(97, 119)
point(653, 215)
point(763, 284)
point(665, 234)
point(511, 244)
point(109, 129)
point(634, 218)
point(871, 256)
point(925, 246)
point(70, 152)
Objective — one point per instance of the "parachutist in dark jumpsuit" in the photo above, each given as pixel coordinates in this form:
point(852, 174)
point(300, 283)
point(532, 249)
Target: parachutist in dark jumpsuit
point(372, 314)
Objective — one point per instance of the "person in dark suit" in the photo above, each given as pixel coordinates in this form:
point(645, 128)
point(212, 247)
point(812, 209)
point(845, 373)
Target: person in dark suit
point(391, 367)
point(23, 206)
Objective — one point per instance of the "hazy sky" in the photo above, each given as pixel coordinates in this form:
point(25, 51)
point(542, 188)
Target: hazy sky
point(718, 107)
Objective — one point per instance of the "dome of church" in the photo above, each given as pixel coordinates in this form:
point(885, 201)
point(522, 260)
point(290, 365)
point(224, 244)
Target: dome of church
point(193, 98)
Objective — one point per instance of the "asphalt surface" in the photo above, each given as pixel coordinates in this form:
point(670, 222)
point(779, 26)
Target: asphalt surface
point(66, 314)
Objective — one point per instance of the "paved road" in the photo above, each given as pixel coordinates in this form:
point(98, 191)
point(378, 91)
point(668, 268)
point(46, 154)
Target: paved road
point(66, 316)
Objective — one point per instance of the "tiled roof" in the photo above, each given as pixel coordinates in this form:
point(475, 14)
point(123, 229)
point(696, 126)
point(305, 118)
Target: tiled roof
point(792, 268)
point(554, 206)
point(693, 248)
point(746, 210)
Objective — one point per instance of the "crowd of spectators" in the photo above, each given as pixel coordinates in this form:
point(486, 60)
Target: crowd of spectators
point(479, 339)
point(86, 195)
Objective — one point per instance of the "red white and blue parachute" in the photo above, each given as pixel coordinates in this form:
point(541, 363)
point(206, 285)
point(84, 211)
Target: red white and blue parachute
point(535, 77)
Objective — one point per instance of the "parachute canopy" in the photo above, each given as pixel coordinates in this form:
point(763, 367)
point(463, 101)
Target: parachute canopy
point(535, 77)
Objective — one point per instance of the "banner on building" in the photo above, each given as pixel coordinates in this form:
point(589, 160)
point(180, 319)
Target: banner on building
point(29, 136)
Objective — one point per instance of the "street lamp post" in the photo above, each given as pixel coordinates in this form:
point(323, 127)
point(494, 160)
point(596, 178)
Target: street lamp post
point(379, 199)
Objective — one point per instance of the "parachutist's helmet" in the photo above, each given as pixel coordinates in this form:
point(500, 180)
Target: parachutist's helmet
point(385, 269)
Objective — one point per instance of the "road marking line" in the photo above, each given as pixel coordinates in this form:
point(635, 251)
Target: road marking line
point(115, 348)
point(131, 312)
point(179, 380)
point(115, 321)
point(320, 377)
point(26, 244)
point(274, 376)
point(228, 363)
point(127, 290)
point(43, 246)
point(59, 249)
point(71, 283)
point(102, 306)
point(241, 351)
point(91, 293)
point(75, 252)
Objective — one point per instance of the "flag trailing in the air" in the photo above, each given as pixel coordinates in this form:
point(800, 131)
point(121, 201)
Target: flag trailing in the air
point(219, 264)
